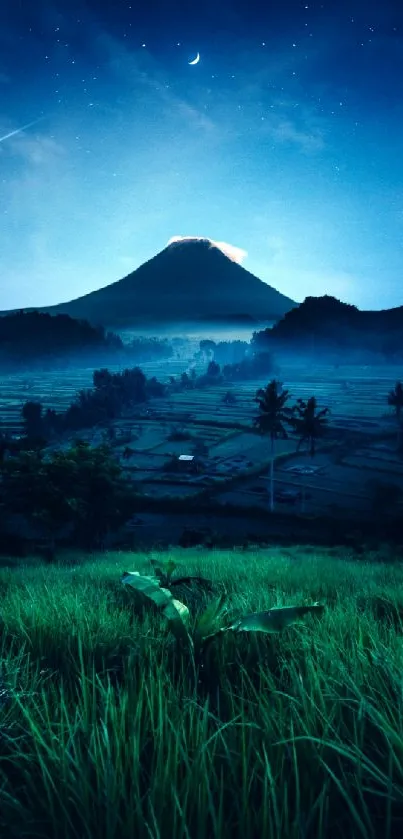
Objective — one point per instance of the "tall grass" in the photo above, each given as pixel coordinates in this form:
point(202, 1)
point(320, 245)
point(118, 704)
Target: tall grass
point(104, 733)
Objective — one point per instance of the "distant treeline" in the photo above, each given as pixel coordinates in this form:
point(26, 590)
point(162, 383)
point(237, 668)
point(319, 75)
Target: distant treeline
point(29, 336)
point(110, 395)
point(29, 339)
point(234, 361)
point(150, 349)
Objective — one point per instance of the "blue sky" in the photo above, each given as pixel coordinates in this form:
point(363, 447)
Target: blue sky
point(284, 141)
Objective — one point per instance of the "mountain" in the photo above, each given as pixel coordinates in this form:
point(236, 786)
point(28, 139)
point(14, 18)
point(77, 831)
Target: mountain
point(190, 281)
point(327, 323)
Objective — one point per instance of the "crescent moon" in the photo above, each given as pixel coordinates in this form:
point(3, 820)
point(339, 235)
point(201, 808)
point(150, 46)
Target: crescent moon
point(195, 60)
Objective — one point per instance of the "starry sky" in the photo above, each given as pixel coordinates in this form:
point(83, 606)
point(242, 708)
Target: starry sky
point(284, 141)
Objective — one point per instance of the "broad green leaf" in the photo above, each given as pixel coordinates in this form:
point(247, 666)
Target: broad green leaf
point(175, 607)
point(274, 620)
point(149, 589)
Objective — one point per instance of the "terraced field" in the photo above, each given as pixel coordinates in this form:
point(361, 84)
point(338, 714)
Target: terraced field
point(56, 388)
point(357, 398)
point(345, 487)
point(354, 395)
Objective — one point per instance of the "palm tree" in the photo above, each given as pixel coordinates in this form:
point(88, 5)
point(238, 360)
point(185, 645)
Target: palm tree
point(395, 398)
point(273, 415)
point(309, 424)
point(32, 415)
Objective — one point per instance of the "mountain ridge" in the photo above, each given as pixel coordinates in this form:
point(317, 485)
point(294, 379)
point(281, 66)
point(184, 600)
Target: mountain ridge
point(327, 323)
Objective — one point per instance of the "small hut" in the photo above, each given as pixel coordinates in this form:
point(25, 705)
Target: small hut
point(190, 463)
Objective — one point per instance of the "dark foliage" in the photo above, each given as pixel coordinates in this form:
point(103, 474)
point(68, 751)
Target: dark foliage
point(178, 434)
point(150, 349)
point(213, 370)
point(78, 495)
point(395, 400)
point(29, 337)
point(325, 322)
point(111, 394)
point(229, 398)
point(308, 423)
point(273, 417)
point(258, 364)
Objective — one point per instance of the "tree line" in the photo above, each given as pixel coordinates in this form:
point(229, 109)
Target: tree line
point(36, 338)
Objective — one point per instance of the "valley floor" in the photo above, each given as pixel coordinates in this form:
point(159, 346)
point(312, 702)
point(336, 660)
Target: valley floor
point(362, 434)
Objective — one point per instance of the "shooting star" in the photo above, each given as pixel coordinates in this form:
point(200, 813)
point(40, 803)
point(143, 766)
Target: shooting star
point(18, 130)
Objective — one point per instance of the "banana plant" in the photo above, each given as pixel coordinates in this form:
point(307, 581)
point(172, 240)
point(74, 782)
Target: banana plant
point(273, 620)
point(149, 589)
point(208, 624)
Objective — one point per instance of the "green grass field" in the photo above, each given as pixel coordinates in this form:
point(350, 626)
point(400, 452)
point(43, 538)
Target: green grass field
point(106, 731)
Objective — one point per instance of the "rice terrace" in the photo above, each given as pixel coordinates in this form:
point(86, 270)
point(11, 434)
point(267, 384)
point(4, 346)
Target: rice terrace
point(358, 451)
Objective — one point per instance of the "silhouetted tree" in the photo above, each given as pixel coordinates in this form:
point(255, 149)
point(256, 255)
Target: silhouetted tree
point(255, 366)
point(200, 448)
point(82, 488)
point(185, 381)
point(178, 434)
point(112, 393)
point(207, 347)
point(53, 422)
point(155, 389)
point(274, 415)
point(213, 370)
point(7, 445)
point(148, 349)
point(230, 352)
point(128, 452)
point(32, 419)
point(395, 399)
point(229, 398)
point(102, 378)
point(308, 423)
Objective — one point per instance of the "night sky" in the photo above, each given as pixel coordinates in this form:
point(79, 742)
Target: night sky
point(285, 140)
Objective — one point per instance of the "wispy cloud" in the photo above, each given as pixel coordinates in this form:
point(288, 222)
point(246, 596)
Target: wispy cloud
point(232, 251)
point(286, 132)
